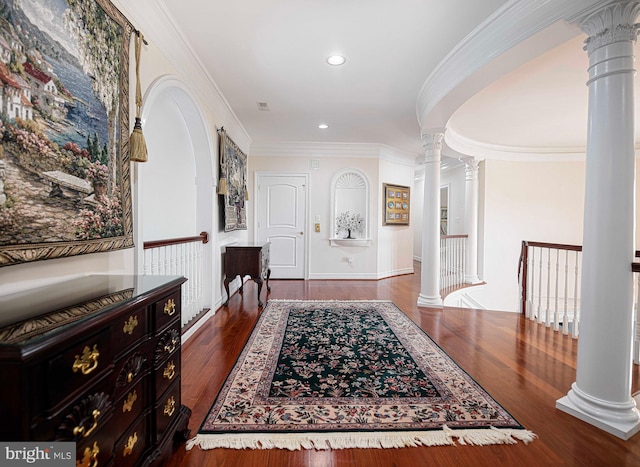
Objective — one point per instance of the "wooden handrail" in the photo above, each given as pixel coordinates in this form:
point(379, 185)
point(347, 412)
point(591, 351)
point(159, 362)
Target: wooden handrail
point(524, 252)
point(556, 246)
point(203, 237)
point(524, 258)
point(444, 237)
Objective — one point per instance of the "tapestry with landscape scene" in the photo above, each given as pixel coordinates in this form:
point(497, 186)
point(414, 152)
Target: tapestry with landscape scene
point(64, 163)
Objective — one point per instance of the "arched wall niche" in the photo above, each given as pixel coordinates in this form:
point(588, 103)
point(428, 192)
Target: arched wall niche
point(350, 208)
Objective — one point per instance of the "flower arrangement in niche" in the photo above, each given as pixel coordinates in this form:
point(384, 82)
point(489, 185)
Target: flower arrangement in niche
point(349, 223)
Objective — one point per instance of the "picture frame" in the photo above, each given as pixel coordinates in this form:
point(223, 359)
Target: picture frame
point(65, 186)
point(396, 205)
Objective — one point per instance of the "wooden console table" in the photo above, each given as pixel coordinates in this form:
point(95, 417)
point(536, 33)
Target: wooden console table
point(249, 259)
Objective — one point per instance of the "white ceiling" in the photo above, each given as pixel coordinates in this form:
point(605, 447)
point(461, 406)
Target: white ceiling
point(274, 51)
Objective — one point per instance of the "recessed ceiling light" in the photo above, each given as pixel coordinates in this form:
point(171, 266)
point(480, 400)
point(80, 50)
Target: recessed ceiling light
point(336, 60)
point(323, 126)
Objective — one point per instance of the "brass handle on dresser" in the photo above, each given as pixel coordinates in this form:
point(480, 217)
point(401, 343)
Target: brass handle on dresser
point(170, 307)
point(169, 371)
point(170, 407)
point(88, 361)
point(80, 430)
point(127, 405)
point(90, 454)
point(131, 442)
point(170, 347)
point(130, 325)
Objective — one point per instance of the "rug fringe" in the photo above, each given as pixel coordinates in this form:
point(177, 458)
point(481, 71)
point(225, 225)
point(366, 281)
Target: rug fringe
point(365, 440)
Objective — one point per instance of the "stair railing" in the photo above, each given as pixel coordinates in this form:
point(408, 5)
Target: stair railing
point(181, 257)
point(452, 261)
point(549, 279)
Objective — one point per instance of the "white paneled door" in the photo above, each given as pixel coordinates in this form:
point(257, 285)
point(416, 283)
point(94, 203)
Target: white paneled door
point(281, 219)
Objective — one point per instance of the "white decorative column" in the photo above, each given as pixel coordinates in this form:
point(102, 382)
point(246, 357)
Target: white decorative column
point(601, 394)
point(471, 221)
point(430, 278)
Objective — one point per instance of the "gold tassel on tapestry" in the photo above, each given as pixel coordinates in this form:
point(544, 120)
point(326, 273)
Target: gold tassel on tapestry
point(137, 145)
point(222, 184)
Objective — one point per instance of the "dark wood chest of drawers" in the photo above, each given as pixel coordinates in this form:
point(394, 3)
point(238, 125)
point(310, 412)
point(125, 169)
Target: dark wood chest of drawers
point(95, 360)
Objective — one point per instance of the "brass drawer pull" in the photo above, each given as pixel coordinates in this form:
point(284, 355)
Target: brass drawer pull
point(170, 407)
point(169, 371)
point(170, 307)
point(127, 406)
point(80, 430)
point(88, 361)
point(131, 442)
point(130, 325)
point(170, 347)
point(89, 457)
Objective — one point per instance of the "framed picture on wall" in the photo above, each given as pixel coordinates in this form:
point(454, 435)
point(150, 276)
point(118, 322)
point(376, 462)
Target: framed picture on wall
point(396, 205)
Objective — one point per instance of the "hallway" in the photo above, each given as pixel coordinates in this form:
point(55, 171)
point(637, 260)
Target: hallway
point(524, 366)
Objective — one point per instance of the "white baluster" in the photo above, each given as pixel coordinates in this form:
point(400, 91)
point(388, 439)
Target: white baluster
point(575, 299)
point(531, 281)
point(540, 288)
point(556, 326)
point(636, 324)
point(565, 315)
point(547, 316)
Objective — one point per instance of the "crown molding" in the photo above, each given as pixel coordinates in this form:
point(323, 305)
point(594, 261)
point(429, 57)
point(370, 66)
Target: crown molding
point(329, 149)
point(153, 19)
point(482, 150)
point(509, 26)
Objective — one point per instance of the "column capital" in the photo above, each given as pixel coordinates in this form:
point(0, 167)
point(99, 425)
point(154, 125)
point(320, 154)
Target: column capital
point(471, 169)
point(432, 138)
point(613, 23)
point(432, 144)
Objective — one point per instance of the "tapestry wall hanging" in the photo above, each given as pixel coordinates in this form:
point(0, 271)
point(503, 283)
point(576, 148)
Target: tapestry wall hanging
point(349, 374)
point(64, 120)
point(233, 183)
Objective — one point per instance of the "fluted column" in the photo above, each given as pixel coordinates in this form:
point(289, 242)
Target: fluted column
point(471, 221)
point(601, 394)
point(430, 279)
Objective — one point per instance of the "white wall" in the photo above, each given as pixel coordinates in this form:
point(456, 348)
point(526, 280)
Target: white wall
point(417, 205)
point(454, 179)
point(168, 188)
point(537, 201)
point(344, 262)
point(395, 242)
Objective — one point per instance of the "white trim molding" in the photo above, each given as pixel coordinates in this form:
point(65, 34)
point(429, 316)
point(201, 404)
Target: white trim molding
point(464, 71)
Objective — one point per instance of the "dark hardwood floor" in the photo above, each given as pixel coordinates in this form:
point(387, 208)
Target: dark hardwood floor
point(524, 366)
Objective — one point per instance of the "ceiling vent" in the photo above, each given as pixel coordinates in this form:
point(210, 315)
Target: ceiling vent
point(263, 106)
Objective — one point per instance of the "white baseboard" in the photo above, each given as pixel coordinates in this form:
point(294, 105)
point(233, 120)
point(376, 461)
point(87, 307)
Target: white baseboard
point(359, 275)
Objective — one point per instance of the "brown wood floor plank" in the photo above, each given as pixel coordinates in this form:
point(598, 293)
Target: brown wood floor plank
point(523, 365)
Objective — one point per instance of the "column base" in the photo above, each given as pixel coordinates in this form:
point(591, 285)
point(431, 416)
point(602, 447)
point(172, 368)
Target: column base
point(621, 420)
point(430, 302)
point(472, 280)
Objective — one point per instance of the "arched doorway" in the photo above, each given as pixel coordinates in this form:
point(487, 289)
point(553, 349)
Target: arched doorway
point(175, 189)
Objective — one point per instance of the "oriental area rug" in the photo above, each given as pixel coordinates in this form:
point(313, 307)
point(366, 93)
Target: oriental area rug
point(349, 374)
